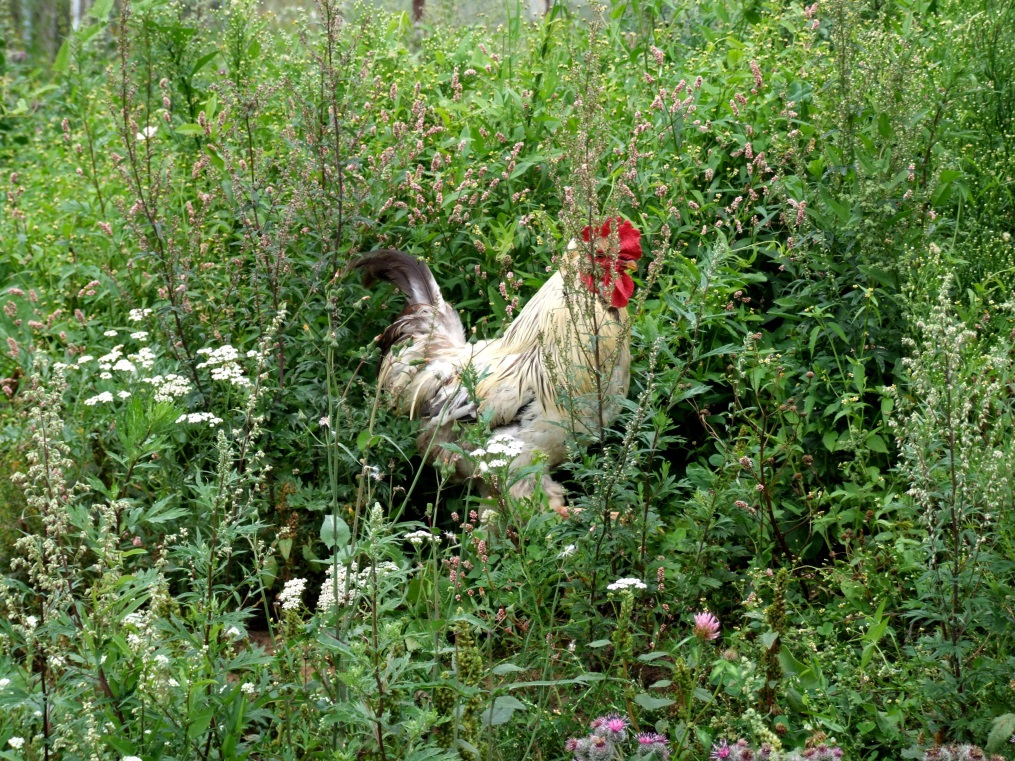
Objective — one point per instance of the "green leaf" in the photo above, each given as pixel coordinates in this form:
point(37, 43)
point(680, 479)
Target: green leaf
point(876, 444)
point(364, 440)
point(501, 710)
point(768, 639)
point(189, 130)
point(506, 668)
point(100, 10)
point(599, 643)
point(62, 63)
point(203, 61)
point(334, 532)
point(830, 439)
point(1001, 730)
point(285, 547)
point(651, 703)
point(200, 722)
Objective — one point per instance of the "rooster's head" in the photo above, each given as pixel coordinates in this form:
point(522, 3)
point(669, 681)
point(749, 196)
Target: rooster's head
point(609, 268)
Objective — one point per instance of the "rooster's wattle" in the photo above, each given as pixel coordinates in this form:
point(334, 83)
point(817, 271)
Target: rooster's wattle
point(559, 367)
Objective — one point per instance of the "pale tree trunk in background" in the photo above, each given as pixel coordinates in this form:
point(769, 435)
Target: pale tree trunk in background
point(40, 26)
point(539, 8)
point(26, 23)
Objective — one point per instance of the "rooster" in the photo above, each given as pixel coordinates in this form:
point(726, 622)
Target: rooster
point(560, 366)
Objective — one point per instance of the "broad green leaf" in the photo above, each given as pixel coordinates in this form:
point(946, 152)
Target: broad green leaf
point(1001, 730)
point(501, 710)
point(334, 532)
point(651, 703)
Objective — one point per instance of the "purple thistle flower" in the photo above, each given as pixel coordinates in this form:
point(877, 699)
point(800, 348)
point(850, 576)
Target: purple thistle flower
point(721, 750)
point(706, 627)
point(614, 728)
point(651, 738)
point(601, 749)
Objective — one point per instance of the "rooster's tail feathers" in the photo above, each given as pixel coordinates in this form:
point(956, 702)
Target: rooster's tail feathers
point(427, 316)
point(407, 273)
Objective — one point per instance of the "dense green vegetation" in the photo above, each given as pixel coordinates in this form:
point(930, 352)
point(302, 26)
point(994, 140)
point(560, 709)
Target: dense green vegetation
point(217, 541)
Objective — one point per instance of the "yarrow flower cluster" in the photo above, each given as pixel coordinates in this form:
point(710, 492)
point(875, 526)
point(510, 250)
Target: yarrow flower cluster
point(610, 731)
point(170, 387)
point(104, 398)
point(341, 584)
point(416, 538)
point(223, 365)
point(501, 450)
point(622, 584)
point(291, 595)
point(137, 315)
point(199, 417)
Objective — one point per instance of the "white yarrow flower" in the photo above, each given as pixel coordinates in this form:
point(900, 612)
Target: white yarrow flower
point(620, 584)
point(109, 333)
point(291, 595)
point(103, 398)
point(247, 688)
point(136, 315)
point(124, 366)
point(18, 742)
point(416, 538)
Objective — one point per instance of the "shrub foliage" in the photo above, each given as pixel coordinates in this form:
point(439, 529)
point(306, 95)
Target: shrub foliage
point(800, 532)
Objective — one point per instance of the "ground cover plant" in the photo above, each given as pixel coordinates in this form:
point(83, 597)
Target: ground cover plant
point(795, 541)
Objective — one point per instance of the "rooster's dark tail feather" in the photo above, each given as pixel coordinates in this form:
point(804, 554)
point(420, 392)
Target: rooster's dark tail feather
point(407, 273)
point(426, 315)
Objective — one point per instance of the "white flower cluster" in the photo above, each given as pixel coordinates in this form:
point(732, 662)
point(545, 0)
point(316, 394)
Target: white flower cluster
point(104, 398)
point(506, 445)
point(116, 361)
point(144, 357)
point(136, 315)
point(199, 417)
point(621, 584)
point(416, 538)
point(292, 594)
point(223, 365)
point(17, 742)
point(503, 447)
point(346, 583)
point(169, 387)
point(3, 684)
point(141, 335)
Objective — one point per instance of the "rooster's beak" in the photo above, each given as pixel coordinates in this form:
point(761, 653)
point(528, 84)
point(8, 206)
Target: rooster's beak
point(628, 265)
